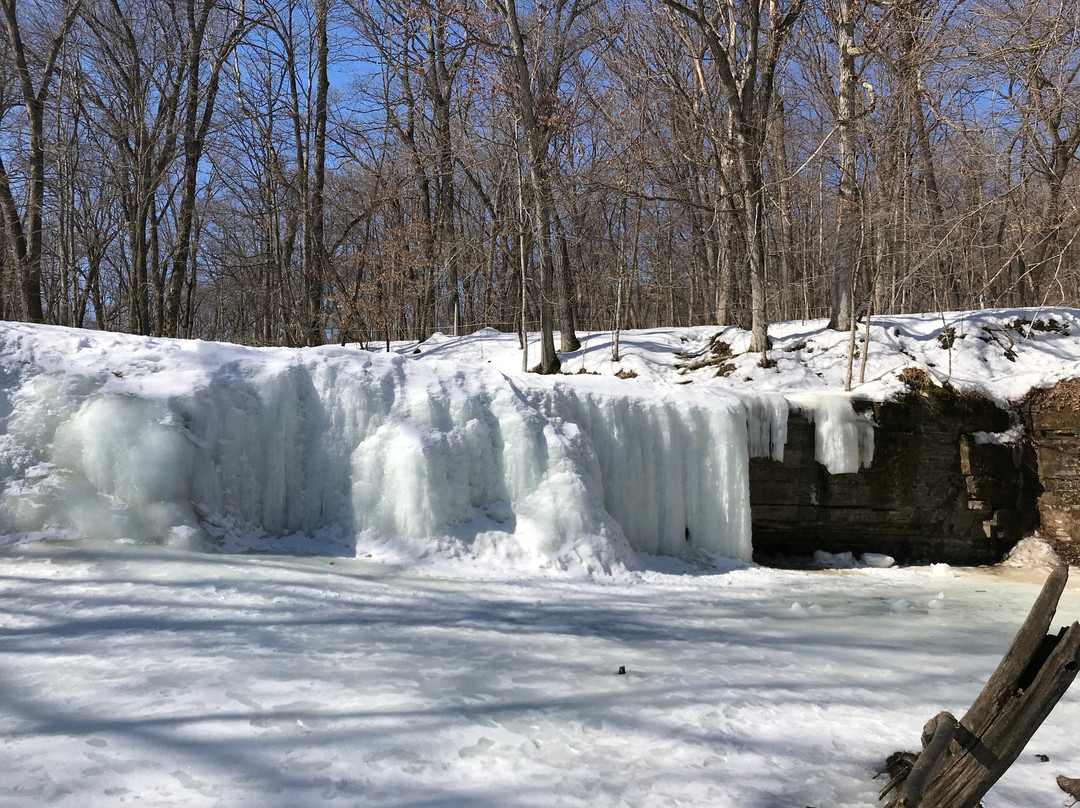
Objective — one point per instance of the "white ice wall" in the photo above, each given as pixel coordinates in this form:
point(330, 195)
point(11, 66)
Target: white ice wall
point(193, 438)
point(766, 424)
point(114, 436)
point(843, 439)
point(674, 476)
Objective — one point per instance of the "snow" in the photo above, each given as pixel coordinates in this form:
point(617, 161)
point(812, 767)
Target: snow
point(1012, 435)
point(1032, 553)
point(201, 444)
point(878, 560)
point(809, 358)
point(239, 576)
point(156, 675)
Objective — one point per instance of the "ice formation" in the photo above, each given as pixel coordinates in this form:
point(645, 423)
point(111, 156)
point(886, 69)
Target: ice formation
point(224, 441)
point(843, 439)
point(110, 436)
point(766, 424)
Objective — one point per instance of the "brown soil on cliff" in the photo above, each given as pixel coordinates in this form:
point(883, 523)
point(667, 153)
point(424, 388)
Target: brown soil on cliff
point(1065, 395)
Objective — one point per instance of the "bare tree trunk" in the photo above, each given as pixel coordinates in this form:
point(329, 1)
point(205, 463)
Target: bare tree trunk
point(847, 203)
point(543, 201)
point(564, 278)
point(750, 166)
point(440, 89)
point(139, 250)
point(196, 127)
point(747, 73)
point(315, 278)
point(945, 271)
point(25, 232)
point(783, 188)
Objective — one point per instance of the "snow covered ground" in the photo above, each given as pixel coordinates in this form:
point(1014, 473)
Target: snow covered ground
point(998, 352)
point(237, 576)
point(155, 676)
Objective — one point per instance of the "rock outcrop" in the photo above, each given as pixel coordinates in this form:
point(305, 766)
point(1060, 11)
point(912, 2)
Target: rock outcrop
point(945, 485)
point(1053, 423)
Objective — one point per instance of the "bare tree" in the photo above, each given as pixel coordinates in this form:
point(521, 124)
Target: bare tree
point(848, 212)
point(536, 86)
point(1040, 59)
point(199, 104)
point(747, 42)
point(135, 84)
point(35, 80)
point(422, 49)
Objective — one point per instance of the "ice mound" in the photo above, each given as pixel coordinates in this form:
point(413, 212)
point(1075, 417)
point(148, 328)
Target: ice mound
point(110, 436)
point(1033, 552)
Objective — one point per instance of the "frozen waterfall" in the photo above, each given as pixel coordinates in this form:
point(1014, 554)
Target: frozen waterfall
point(110, 436)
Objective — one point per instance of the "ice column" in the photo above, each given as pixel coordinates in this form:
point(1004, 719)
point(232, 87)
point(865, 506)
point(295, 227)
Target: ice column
point(843, 439)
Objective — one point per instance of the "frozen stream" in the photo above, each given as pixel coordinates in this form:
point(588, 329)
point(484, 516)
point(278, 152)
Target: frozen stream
point(132, 674)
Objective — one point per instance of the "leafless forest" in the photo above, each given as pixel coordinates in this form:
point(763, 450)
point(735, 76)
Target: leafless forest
point(291, 172)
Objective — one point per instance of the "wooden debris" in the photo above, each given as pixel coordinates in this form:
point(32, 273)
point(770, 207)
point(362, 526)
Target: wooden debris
point(1030, 680)
point(898, 767)
point(937, 735)
point(708, 362)
point(709, 347)
point(716, 353)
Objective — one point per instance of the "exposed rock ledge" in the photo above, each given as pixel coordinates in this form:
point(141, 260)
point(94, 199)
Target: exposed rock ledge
point(1052, 418)
point(954, 478)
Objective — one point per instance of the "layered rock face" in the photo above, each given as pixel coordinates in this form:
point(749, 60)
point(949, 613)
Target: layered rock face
point(1053, 423)
point(945, 484)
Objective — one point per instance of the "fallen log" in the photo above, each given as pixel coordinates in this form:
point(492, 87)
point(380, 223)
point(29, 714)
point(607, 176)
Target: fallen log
point(1029, 681)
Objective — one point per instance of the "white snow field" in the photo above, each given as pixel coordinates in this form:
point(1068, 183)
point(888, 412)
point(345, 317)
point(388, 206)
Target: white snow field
point(268, 577)
point(153, 676)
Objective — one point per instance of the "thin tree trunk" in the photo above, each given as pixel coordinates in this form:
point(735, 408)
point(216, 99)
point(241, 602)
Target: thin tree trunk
point(196, 128)
point(568, 340)
point(26, 232)
point(541, 183)
point(315, 279)
point(847, 203)
point(784, 199)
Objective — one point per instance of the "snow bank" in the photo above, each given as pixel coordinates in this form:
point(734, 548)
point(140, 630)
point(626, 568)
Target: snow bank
point(108, 436)
point(1001, 353)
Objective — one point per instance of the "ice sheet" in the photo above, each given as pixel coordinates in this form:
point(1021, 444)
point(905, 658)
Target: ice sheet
point(138, 674)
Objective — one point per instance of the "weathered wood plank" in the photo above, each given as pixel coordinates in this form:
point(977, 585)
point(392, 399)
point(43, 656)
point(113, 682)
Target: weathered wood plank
point(1005, 679)
point(1031, 678)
